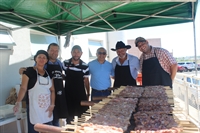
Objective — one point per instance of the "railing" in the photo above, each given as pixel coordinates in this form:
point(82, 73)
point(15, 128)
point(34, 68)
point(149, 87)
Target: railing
point(188, 94)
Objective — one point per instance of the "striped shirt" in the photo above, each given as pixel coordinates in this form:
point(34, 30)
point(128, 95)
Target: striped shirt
point(82, 67)
point(165, 59)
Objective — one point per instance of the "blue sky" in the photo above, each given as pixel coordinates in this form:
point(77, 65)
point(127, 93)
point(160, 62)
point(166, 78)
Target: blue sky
point(178, 38)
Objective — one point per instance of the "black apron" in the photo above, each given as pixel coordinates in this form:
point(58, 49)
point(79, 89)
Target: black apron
point(123, 76)
point(60, 109)
point(75, 92)
point(154, 74)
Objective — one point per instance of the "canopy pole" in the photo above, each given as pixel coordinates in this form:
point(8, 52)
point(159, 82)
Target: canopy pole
point(59, 42)
point(194, 30)
point(60, 50)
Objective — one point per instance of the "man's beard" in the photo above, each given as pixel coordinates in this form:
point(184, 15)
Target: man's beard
point(76, 58)
point(50, 58)
point(122, 57)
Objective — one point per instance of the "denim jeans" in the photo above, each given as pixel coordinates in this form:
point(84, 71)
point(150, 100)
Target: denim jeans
point(55, 122)
point(31, 126)
point(96, 93)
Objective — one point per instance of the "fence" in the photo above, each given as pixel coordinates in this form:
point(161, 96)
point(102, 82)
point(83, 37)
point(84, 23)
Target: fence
point(187, 89)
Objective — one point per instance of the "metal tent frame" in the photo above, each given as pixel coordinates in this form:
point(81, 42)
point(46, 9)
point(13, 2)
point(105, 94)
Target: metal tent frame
point(61, 17)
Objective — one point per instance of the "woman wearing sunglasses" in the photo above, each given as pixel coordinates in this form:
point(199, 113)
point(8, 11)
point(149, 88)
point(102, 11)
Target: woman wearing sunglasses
point(40, 99)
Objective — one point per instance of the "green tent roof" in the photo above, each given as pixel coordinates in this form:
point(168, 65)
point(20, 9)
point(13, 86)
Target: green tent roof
point(60, 17)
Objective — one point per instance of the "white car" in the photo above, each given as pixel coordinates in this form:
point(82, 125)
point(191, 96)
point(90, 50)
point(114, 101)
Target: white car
point(189, 66)
point(198, 67)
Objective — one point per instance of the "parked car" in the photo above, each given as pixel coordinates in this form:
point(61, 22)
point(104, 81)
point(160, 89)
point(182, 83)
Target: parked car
point(198, 67)
point(189, 66)
point(180, 68)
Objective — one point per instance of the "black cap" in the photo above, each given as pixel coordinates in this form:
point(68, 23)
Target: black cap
point(41, 52)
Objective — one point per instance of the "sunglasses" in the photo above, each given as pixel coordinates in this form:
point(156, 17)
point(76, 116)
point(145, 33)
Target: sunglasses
point(43, 80)
point(103, 53)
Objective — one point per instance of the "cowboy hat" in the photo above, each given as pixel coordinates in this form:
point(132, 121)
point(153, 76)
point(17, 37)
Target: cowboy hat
point(120, 45)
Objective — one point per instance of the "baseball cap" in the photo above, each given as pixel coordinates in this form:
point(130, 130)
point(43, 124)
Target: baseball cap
point(139, 39)
point(76, 47)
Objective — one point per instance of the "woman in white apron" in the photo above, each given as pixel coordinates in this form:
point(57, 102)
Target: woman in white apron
point(40, 99)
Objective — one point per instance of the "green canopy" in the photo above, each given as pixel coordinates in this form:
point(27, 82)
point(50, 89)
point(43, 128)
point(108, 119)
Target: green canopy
point(59, 17)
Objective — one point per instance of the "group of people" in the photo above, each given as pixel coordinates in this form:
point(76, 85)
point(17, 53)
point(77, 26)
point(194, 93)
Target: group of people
point(48, 100)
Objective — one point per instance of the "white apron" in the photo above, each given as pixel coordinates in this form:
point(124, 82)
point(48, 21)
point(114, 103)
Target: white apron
point(39, 100)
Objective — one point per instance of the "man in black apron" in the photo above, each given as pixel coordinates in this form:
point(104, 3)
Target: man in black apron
point(125, 66)
point(60, 110)
point(158, 65)
point(54, 69)
point(76, 83)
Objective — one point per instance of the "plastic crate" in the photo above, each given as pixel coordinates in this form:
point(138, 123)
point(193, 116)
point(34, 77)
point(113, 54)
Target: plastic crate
point(6, 111)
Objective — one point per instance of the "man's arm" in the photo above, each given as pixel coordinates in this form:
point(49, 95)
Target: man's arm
point(87, 84)
point(173, 69)
point(52, 89)
point(113, 68)
point(171, 62)
point(137, 65)
point(52, 105)
point(21, 70)
point(140, 63)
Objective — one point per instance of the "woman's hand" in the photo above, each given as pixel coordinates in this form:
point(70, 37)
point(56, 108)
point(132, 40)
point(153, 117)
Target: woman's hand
point(16, 108)
point(50, 110)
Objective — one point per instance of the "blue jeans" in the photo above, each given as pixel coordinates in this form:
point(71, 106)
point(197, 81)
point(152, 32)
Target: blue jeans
point(55, 122)
point(96, 93)
point(31, 126)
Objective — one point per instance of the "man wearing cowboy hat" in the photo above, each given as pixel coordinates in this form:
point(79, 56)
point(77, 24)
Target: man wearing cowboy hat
point(125, 66)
